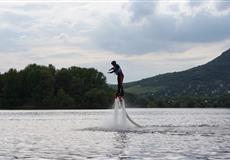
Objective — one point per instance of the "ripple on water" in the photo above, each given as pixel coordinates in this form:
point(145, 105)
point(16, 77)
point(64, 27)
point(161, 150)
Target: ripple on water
point(166, 134)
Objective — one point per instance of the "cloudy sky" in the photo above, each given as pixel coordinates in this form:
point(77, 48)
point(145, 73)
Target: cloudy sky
point(145, 37)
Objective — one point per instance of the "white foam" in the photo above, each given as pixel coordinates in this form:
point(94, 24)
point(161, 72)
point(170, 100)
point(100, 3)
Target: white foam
point(121, 120)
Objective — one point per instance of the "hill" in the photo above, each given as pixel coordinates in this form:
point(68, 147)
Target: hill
point(210, 79)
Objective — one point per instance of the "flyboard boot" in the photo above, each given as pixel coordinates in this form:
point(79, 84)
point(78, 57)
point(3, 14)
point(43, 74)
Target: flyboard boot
point(120, 96)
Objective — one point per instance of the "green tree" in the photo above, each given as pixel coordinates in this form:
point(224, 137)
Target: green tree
point(44, 87)
point(10, 90)
point(1, 90)
point(63, 100)
point(97, 98)
point(38, 83)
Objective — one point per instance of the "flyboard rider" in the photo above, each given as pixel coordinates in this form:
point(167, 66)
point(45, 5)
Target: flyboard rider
point(120, 77)
point(120, 92)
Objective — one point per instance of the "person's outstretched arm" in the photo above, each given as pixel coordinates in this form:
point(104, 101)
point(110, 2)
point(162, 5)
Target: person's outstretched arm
point(115, 69)
point(111, 70)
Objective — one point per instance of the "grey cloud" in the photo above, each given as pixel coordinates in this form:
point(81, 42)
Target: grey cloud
point(11, 36)
point(153, 36)
point(204, 28)
point(222, 5)
point(16, 19)
point(195, 3)
point(10, 41)
point(160, 33)
point(140, 10)
point(22, 31)
point(32, 6)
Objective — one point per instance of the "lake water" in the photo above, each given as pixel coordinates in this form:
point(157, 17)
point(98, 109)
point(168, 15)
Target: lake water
point(167, 134)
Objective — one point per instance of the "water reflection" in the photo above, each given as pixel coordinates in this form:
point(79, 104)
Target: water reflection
point(121, 144)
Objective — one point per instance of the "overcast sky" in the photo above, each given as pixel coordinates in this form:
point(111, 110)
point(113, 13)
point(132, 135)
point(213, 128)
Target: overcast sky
point(145, 37)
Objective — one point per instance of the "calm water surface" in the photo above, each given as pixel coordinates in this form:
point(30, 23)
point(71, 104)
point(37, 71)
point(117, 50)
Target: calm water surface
point(167, 134)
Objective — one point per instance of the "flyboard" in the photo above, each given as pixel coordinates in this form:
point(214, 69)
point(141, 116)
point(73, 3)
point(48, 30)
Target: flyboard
point(121, 104)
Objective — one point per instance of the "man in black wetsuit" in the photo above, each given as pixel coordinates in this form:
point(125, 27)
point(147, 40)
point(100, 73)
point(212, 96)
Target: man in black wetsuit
point(120, 76)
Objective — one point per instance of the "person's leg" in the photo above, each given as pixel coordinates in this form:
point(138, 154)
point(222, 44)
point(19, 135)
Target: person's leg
point(118, 86)
point(121, 85)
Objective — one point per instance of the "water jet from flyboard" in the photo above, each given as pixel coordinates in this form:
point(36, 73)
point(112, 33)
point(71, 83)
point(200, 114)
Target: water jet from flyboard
point(120, 114)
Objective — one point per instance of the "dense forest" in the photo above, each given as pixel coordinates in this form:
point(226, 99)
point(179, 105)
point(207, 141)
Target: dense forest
point(44, 87)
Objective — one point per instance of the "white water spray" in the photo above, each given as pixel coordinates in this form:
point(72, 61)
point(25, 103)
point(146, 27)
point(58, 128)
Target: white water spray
point(120, 114)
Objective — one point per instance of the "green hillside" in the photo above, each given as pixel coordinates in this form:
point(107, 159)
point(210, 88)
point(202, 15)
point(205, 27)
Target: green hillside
point(209, 79)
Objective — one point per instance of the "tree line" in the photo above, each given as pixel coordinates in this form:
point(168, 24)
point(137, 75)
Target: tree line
point(45, 87)
point(216, 101)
